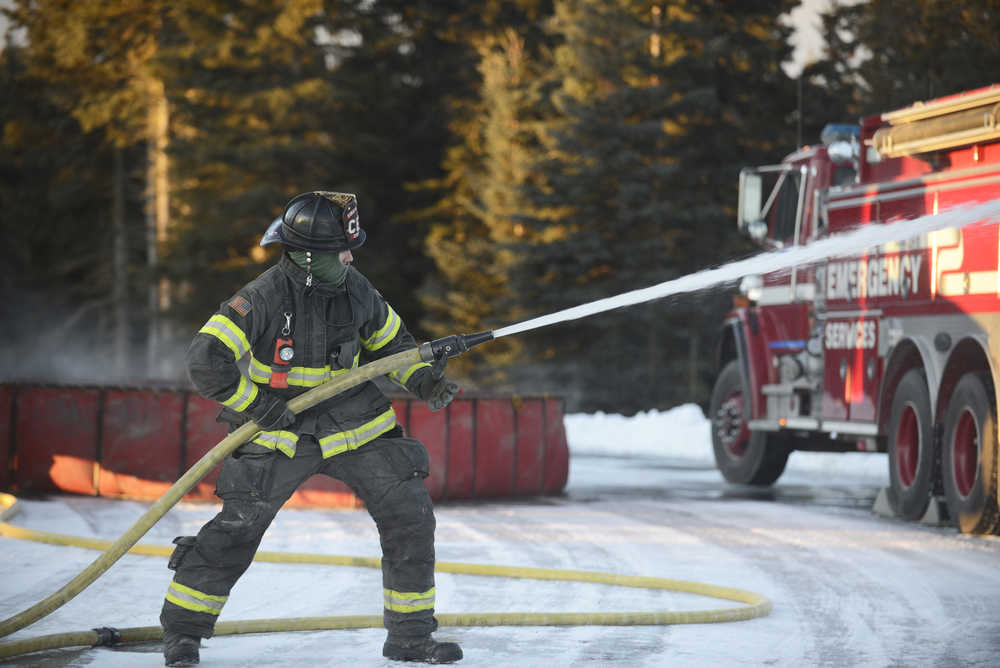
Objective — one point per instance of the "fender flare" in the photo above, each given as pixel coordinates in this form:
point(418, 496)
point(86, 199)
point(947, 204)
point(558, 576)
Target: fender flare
point(733, 345)
point(958, 364)
point(910, 352)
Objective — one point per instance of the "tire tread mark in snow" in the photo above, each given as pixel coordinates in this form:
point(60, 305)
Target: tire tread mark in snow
point(822, 584)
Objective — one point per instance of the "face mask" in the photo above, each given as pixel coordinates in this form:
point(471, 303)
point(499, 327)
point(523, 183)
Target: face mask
point(326, 267)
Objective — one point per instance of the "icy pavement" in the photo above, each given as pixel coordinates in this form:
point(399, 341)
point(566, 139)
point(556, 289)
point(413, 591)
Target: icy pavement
point(849, 588)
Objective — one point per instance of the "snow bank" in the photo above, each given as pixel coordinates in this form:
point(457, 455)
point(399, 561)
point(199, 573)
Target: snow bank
point(681, 432)
point(684, 433)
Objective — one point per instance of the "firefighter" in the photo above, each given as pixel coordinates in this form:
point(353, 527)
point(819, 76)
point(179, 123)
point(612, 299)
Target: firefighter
point(310, 317)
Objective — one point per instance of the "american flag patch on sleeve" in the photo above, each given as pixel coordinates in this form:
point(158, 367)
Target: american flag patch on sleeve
point(240, 305)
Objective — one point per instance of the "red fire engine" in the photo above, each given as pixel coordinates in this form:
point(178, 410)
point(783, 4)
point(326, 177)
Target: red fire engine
point(894, 350)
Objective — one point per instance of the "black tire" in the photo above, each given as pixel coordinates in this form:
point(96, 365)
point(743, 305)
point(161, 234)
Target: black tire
point(969, 456)
point(911, 446)
point(742, 456)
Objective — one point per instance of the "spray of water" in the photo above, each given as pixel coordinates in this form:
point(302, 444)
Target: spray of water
point(853, 242)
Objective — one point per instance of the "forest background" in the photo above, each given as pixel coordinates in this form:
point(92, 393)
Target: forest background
point(510, 157)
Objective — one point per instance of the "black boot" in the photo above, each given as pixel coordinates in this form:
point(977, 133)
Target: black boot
point(421, 648)
point(179, 649)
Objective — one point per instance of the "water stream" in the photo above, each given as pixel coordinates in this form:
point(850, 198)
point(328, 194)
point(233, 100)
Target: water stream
point(849, 243)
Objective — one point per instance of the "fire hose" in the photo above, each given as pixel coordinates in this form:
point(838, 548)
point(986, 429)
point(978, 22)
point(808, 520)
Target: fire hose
point(450, 346)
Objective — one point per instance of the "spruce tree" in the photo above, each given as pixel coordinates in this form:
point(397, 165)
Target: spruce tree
point(469, 229)
point(58, 277)
point(99, 62)
point(597, 208)
point(293, 97)
point(884, 55)
point(254, 114)
point(658, 107)
point(733, 106)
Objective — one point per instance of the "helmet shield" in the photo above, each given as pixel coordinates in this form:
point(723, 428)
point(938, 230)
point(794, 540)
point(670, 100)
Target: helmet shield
point(273, 233)
point(318, 221)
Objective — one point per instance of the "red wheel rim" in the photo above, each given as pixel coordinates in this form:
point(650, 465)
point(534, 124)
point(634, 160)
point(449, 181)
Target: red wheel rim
point(965, 453)
point(732, 430)
point(907, 445)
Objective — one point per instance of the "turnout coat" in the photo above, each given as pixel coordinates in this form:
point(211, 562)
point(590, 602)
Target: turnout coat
point(278, 337)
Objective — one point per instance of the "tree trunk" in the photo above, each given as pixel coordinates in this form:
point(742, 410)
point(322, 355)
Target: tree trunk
point(119, 271)
point(157, 222)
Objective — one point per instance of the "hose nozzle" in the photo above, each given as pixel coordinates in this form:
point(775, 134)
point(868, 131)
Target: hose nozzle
point(452, 346)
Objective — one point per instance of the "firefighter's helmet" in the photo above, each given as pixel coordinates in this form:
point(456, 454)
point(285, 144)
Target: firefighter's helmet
point(318, 221)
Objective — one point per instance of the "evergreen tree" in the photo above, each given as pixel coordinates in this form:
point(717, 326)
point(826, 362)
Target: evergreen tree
point(398, 84)
point(477, 251)
point(98, 61)
point(658, 109)
point(468, 225)
point(254, 115)
point(58, 250)
point(511, 158)
point(263, 102)
point(884, 55)
point(297, 96)
point(734, 106)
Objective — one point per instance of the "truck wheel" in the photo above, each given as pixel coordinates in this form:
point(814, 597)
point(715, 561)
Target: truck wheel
point(911, 456)
point(968, 457)
point(742, 456)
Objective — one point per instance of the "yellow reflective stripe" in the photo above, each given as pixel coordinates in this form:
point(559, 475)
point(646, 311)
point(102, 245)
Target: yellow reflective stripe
point(226, 331)
point(192, 599)
point(259, 372)
point(386, 333)
point(299, 376)
point(406, 601)
point(285, 441)
point(244, 395)
point(304, 376)
point(354, 365)
point(333, 373)
point(402, 376)
point(352, 439)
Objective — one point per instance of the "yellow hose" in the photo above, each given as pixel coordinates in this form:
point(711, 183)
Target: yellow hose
point(183, 485)
point(756, 605)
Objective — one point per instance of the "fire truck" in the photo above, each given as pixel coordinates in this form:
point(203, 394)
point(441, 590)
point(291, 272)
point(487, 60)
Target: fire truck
point(895, 349)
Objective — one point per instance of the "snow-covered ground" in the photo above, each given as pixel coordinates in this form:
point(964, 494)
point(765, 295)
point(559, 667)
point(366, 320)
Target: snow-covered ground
point(849, 588)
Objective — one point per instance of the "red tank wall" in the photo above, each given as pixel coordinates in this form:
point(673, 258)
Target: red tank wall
point(6, 433)
point(134, 443)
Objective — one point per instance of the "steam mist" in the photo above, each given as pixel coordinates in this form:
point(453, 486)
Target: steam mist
point(51, 341)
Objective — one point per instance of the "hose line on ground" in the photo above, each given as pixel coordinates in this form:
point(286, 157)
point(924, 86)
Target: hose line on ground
point(184, 484)
point(756, 605)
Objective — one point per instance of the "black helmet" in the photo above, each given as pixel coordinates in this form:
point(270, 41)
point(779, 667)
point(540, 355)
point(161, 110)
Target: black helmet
point(318, 221)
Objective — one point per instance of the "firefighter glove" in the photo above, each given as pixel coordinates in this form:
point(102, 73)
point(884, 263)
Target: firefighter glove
point(272, 413)
point(441, 393)
point(433, 387)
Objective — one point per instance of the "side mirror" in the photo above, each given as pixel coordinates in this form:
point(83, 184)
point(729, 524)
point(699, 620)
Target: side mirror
point(751, 198)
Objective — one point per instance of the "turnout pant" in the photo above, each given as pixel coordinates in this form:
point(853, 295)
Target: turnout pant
point(386, 474)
